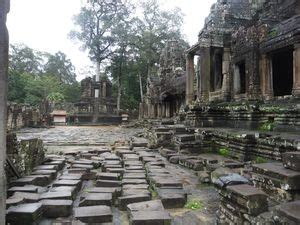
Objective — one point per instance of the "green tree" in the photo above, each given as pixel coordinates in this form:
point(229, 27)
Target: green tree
point(60, 66)
point(97, 22)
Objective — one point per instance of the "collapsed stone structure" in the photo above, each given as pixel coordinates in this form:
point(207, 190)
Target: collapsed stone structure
point(97, 104)
point(244, 87)
point(165, 90)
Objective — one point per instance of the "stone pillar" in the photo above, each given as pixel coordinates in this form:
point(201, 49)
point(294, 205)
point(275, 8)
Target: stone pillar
point(190, 76)
point(266, 84)
point(159, 110)
point(104, 89)
point(296, 86)
point(205, 72)
point(226, 73)
point(4, 8)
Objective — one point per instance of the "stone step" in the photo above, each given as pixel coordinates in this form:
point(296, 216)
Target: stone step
point(150, 218)
point(46, 167)
point(72, 183)
point(52, 173)
point(94, 214)
point(57, 208)
point(71, 177)
point(116, 192)
point(133, 191)
point(134, 181)
point(134, 176)
point(27, 197)
point(14, 201)
point(172, 200)
point(290, 211)
point(59, 163)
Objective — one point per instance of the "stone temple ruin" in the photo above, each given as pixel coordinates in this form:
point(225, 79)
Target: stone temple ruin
point(97, 106)
point(166, 91)
point(222, 128)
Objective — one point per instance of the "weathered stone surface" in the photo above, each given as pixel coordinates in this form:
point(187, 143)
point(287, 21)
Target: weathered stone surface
point(24, 213)
point(59, 163)
point(135, 186)
point(125, 200)
point(154, 205)
point(52, 173)
point(57, 208)
point(108, 183)
point(72, 189)
point(291, 160)
point(94, 214)
point(71, 177)
point(75, 183)
point(27, 188)
point(134, 181)
point(116, 170)
point(13, 201)
point(115, 191)
point(28, 197)
point(166, 182)
point(248, 199)
point(230, 179)
point(59, 195)
point(93, 199)
point(150, 218)
point(172, 200)
point(290, 211)
point(134, 176)
point(83, 166)
point(108, 176)
point(133, 191)
point(46, 167)
point(288, 179)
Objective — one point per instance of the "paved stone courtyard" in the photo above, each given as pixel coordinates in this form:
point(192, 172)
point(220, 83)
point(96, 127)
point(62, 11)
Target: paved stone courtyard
point(107, 175)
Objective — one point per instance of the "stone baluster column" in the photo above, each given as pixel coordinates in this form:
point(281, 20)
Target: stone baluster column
point(4, 8)
point(190, 76)
point(226, 73)
point(296, 86)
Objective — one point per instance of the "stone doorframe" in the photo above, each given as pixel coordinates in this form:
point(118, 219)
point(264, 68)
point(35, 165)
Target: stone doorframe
point(4, 9)
point(266, 74)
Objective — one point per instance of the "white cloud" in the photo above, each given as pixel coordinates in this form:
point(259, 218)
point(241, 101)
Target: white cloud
point(44, 24)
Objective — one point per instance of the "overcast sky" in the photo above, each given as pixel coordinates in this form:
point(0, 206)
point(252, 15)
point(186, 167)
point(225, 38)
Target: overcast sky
point(44, 25)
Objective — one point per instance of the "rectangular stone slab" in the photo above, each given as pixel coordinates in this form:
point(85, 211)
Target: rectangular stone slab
point(134, 176)
point(25, 213)
point(28, 197)
point(83, 166)
point(291, 160)
point(28, 188)
point(93, 199)
point(108, 183)
point(135, 186)
point(13, 201)
point(108, 176)
point(46, 167)
point(290, 178)
point(57, 208)
point(253, 200)
point(127, 192)
point(154, 205)
point(41, 180)
point(134, 181)
point(94, 214)
point(72, 189)
point(141, 167)
point(150, 218)
point(172, 200)
point(59, 163)
point(78, 170)
point(75, 183)
point(71, 177)
point(166, 182)
point(125, 200)
point(57, 195)
point(291, 211)
point(52, 173)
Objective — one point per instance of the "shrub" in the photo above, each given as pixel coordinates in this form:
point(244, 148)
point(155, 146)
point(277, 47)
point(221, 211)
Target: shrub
point(194, 204)
point(224, 152)
point(259, 160)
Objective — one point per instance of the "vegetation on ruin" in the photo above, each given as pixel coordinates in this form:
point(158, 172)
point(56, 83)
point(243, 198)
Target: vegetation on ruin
point(260, 160)
point(224, 152)
point(194, 204)
point(267, 126)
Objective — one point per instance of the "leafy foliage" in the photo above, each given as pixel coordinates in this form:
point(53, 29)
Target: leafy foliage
point(194, 205)
point(260, 160)
point(267, 126)
point(34, 76)
point(224, 152)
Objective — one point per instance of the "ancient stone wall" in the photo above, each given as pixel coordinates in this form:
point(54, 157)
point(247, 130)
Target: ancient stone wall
point(19, 116)
point(24, 155)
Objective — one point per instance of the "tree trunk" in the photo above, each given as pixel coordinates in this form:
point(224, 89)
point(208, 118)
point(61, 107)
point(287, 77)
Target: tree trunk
point(141, 88)
point(98, 72)
point(4, 8)
point(120, 83)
